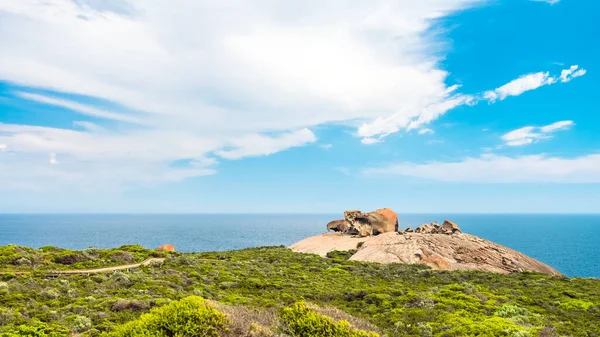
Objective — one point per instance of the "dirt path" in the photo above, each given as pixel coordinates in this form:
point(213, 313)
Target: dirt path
point(146, 262)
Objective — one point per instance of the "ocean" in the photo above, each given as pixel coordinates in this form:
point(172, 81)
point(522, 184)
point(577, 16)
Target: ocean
point(569, 243)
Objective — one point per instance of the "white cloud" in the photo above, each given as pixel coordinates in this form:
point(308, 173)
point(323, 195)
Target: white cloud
point(531, 82)
point(522, 136)
point(552, 2)
point(77, 107)
point(52, 159)
point(519, 86)
point(530, 134)
point(325, 146)
point(370, 141)
point(426, 131)
point(260, 145)
point(568, 74)
point(500, 169)
point(562, 125)
point(413, 117)
point(239, 75)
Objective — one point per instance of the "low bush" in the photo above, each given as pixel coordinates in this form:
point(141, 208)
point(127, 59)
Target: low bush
point(191, 316)
point(300, 321)
point(134, 305)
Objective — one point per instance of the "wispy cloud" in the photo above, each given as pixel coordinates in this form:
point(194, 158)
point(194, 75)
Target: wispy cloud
point(531, 82)
point(52, 159)
point(568, 74)
point(370, 141)
point(530, 134)
point(450, 99)
point(501, 169)
point(80, 108)
point(552, 2)
point(519, 86)
point(260, 145)
point(426, 131)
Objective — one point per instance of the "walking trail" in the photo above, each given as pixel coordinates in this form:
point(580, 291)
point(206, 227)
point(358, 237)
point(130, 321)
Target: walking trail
point(147, 262)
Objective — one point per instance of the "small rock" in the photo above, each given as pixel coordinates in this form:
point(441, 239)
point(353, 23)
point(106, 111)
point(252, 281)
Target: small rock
point(409, 230)
point(166, 248)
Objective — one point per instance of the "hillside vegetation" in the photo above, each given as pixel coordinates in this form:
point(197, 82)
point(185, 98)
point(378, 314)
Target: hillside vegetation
point(272, 291)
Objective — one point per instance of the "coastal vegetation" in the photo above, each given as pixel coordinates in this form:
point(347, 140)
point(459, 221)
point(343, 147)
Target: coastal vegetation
point(272, 291)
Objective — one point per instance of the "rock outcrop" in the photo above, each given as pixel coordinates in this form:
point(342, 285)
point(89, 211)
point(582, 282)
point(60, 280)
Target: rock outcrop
point(338, 226)
point(441, 252)
point(366, 224)
point(166, 248)
point(448, 227)
point(444, 247)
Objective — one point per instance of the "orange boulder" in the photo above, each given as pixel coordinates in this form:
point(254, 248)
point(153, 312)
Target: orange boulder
point(166, 248)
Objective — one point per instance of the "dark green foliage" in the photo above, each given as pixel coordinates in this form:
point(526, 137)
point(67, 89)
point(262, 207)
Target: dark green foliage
point(402, 300)
point(339, 256)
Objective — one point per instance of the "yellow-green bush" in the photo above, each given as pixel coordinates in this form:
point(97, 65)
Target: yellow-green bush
point(37, 329)
point(190, 317)
point(301, 321)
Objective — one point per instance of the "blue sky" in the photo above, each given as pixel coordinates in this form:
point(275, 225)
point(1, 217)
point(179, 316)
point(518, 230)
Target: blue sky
point(237, 106)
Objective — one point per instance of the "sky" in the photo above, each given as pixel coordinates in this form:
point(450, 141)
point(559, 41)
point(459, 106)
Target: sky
point(299, 106)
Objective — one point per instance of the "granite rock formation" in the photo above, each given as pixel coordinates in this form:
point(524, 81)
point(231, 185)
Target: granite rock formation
point(448, 227)
point(441, 252)
point(383, 220)
point(442, 247)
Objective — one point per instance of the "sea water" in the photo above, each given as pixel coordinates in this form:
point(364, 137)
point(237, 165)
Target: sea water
point(569, 243)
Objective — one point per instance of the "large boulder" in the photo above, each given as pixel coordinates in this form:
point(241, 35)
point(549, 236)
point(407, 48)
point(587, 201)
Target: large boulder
point(338, 226)
point(450, 227)
point(383, 220)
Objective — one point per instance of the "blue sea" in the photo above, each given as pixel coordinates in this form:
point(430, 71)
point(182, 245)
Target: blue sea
point(569, 243)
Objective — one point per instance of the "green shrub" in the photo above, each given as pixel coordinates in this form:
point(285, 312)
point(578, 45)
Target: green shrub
point(80, 323)
point(573, 303)
point(516, 314)
point(70, 258)
point(425, 330)
point(51, 293)
point(37, 329)
point(338, 255)
point(301, 321)
point(191, 316)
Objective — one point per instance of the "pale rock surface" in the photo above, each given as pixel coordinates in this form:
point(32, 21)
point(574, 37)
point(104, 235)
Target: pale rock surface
point(441, 252)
